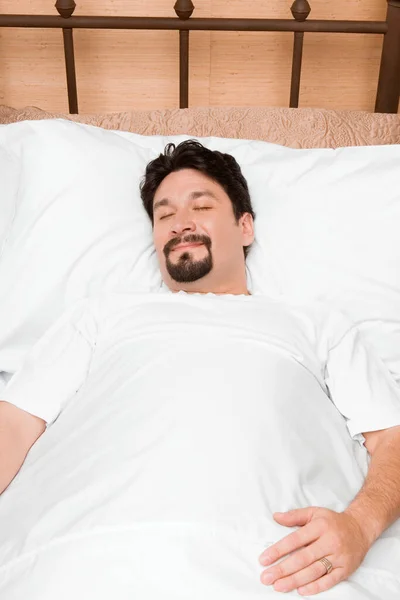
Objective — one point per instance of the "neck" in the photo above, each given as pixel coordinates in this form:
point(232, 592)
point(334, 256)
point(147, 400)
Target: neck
point(218, 290)
point(236, 284)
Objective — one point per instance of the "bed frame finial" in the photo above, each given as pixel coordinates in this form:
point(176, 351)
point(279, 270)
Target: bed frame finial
point(184, 9)
point(300, 10)
point(65, 7)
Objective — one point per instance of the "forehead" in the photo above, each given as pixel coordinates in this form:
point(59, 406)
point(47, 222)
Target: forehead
point(182, 184)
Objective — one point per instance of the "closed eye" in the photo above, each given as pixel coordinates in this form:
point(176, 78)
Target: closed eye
point(195, 208)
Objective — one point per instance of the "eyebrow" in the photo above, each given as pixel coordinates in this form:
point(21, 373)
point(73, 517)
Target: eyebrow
point(192, 196)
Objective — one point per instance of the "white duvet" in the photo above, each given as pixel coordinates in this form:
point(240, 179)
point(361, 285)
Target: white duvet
point(178, 423)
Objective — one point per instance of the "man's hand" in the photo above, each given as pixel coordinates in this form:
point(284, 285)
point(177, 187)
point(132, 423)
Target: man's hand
point(339, 537)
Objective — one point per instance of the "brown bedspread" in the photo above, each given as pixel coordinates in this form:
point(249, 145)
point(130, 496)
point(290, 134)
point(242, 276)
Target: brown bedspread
point(296, 128)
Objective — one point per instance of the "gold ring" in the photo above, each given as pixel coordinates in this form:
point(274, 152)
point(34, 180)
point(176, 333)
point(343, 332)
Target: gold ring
point(327, 564)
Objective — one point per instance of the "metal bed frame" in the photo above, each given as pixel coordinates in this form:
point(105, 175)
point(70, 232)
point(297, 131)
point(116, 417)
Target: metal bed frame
point(388, 90)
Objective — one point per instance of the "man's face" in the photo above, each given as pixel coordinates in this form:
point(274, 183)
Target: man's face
point(190, 208)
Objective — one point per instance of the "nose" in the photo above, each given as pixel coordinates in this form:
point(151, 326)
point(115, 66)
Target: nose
point(182, 224)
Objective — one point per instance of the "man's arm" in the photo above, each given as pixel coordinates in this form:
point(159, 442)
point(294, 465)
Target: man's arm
point(19, 430)
point(344, 538)
point(377, 505)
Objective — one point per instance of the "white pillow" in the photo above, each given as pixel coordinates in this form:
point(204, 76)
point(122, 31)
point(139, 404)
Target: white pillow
point(327, 224)
point(78, 225)
point(328, 228)
point(9, 177)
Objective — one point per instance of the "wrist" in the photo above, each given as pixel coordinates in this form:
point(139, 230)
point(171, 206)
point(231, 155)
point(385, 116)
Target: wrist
point(368, 525)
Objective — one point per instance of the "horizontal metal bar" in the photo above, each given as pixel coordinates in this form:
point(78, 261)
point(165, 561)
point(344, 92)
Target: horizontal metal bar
point(206, 24)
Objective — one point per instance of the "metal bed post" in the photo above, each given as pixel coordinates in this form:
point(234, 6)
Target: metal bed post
point(184, 10)
point(300, 10)
point(65, 9)
point(387, 97)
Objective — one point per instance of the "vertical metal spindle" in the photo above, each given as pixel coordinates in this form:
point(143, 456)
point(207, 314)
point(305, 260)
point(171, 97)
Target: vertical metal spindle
point(300, 10)
point(65, 9)
point(183, 69)
point(388, 92)
point(184, 10)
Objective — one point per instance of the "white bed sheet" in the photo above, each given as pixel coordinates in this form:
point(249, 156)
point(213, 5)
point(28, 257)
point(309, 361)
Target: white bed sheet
point(3, 383)
point(160, 476)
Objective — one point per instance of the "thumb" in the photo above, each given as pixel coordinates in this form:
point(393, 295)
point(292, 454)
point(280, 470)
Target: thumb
point(298, 516)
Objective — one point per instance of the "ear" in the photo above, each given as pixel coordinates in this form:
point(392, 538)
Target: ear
point(247, 226)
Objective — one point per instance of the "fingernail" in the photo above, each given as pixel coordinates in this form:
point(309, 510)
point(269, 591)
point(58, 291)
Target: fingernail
point(268, 578)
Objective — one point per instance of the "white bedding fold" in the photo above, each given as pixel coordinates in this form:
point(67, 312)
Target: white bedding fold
point(160, 476)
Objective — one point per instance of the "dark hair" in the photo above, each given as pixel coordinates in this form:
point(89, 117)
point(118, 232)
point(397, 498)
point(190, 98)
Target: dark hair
point(191, 154)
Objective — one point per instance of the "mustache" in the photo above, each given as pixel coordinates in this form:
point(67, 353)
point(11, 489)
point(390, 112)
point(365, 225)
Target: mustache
point(189, 239)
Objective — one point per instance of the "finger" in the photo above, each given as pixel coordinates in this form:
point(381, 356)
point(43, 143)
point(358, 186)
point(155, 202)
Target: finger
point(302, 537)
point(297, 516)
point(323, 583)
point(295, 563)
point(312, 573)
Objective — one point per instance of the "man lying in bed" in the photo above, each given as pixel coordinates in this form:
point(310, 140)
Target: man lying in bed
point(238, 405)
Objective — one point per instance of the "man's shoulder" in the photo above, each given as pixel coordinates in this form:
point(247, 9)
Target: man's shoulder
point(328, 320)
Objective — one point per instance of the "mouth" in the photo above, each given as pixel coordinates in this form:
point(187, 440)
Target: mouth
point(187, 246)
